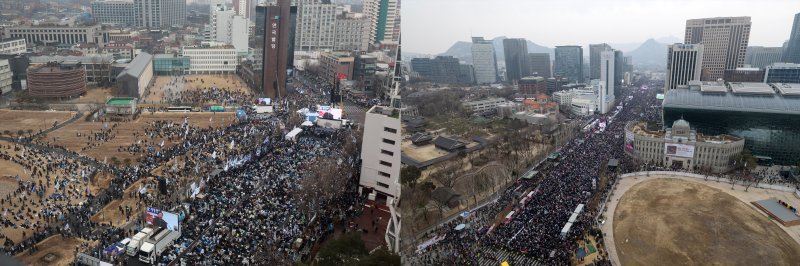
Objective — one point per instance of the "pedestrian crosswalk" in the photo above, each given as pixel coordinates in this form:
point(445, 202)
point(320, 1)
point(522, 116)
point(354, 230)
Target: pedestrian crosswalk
point(494, 257)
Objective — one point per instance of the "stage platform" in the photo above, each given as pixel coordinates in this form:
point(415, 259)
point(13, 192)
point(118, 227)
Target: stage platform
point(778, 212)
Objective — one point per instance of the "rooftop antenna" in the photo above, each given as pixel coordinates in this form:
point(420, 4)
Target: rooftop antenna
point(395, 96)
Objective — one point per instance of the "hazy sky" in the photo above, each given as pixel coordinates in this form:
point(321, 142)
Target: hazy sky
point(432, 26)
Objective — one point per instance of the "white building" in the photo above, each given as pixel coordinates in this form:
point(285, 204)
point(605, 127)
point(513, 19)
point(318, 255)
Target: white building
point(384, 17)
point(684, 64)
point(352, 33)
point(5, 76)
point(50, 34)
point(316, 25)
point(226, 26)
point(606, 89)
point(484, 105)
point(159, 14)
point(211, 59)
point(113, 12)
point(484, 61)
point(579, 102)
point(13, 46)
point(380, 153)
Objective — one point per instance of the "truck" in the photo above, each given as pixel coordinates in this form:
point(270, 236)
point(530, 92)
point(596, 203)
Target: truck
point(157, 243)
point(136, 242)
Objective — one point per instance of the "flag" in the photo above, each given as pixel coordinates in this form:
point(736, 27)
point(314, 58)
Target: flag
point(214, 155)
point(162, 144)
point(233, 142)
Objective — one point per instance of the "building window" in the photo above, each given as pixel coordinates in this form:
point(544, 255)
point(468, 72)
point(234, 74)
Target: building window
point(387, 152)
point(388, 141)
point(386, 163)
point(383, 185)
point(390, 130)
point(384, 174)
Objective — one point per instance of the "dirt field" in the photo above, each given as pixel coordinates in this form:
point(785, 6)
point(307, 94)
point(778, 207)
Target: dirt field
point(421, 153)
point(8, 184)
point(62, 247)
point(67, 136)
point(676, 222)
point(14, 120)
point(161, 86)
point(110, 214)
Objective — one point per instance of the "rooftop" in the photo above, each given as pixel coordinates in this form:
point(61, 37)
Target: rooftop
point(788, 89)
point(753, 88)
point(120, 101)
point(138, 65)
point(713, 87)
point(728, 101)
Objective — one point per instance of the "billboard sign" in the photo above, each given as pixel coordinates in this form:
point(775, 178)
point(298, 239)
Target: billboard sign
point(264, 101)
point(161, 218)
point(679, 150)
point(335, 112)
point(628, 141)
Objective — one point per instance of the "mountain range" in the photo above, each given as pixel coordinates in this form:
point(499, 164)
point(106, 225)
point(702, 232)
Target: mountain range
point(650, 54)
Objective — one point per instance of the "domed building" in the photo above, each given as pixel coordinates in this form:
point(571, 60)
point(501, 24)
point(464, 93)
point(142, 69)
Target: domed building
point(681, 147)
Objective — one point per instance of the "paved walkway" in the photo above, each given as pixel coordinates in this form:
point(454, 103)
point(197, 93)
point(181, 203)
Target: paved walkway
point(753, 194)
point(77, 116)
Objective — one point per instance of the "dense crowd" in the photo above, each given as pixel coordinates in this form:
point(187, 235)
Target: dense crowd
point(540, 210)
point(249, 211)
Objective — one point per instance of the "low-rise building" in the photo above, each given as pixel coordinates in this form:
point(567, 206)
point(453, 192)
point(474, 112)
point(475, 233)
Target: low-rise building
point(136, 77)
point(13, 46)
point(744, 75)
point(56, 34)
point(57, 80)
point(97, 66)
point(681, 147)
point(532, 85)
point(484, 105)
point(577, 101)
point(170, 64)
point(211, 59)
point(335, 66)
point(5, 76)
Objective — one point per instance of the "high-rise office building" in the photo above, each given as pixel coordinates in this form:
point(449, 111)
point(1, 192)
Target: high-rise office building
point(114, 12)
point(684, 64)
point(352, 33)
point(484, 61)
point(594, 58)
point(724, 40)
point(226, 26)
point(516, 53)
point(243, 7)
point(782, 73)
point(569, 63)
point(273, 39)
point(792, 53)
point(619, 63)
point(383, 16)
point(159, 14)
point(761, 57)
point(316, 25)
point(539, 64)
point(607, 87)
point(445, 69)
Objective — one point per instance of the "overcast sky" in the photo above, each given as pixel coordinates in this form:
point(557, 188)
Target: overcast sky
point(432, 26)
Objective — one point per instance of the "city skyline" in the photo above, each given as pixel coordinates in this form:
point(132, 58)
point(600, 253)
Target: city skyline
point(770, 26)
